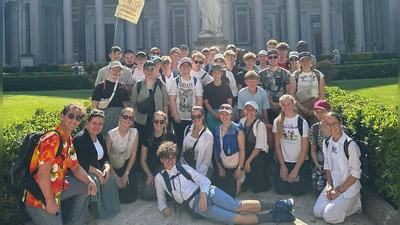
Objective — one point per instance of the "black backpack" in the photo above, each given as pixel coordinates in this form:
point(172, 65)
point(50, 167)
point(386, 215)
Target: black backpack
point(364, 149)
point(185, 203)
point(18, 177)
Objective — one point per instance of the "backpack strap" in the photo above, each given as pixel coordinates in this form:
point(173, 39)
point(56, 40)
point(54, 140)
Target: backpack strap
point(300, 125)
point(163, 78)
point(139, 86)
point(315, 132)
point(203, 75)
point(194, 79)
point(346, 146)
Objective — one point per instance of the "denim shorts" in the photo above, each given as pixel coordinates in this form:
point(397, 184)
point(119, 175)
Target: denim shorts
point(221, 207)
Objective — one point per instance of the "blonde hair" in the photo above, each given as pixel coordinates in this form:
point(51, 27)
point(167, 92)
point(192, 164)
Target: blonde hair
point(159, 113)
point(165, 60)
point(201, 110)
point(198, 55)
point(128, 109)
point(272, 42)
point(249, 55)
point(281, 118)
point(214, 48)
point(251, 75)
point(229, 53)
point(174, 50)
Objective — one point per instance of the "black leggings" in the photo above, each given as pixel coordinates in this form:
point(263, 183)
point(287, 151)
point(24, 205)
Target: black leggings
point(295, 188)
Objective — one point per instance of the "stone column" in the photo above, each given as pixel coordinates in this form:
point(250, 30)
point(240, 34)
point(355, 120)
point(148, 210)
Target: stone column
point(325, 28)
point(359, 29)
point(194, 23)
point(131, 36)
point(227, 30)
point(54, 42)
point(392, 23)
point(163, 26)
point(36, 28)
point(292, 24)
point(68, 35)
point(59, 36)
point(14, 7)
point(4, 39)
point(100, 32)
point(258, 25)
point(22, 29)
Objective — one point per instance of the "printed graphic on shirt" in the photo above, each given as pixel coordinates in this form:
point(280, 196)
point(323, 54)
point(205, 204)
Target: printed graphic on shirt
point(288, 132)
point(334, 149)
point(307, 79)
point(186, 93)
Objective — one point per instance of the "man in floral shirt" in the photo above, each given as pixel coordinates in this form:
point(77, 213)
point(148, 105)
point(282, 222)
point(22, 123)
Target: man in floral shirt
point(51, 176)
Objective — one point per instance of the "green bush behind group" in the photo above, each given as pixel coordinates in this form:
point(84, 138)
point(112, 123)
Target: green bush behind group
point(366, 120)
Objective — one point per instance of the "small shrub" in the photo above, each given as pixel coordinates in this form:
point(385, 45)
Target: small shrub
point(10, 70)
point(365, 71)
point(65, 67)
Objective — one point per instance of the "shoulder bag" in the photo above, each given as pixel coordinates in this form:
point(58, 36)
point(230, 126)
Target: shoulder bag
point(189, 153)
point(118, 160)
point(103, 103)
point(229, 162)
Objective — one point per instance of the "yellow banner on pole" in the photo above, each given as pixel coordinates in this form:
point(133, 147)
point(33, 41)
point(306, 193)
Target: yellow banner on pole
point(129, 10)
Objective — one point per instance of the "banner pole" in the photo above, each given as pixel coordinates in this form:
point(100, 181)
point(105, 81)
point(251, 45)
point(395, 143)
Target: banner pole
point(115, 31)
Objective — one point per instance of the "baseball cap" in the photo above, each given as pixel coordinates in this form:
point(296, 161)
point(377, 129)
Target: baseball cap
point(219, 56)
point(272, 52)
point(262, 52)
point(184, 47)
point(294, 53)
point(185, 60)
point(115, 64)
point(253, 104)
point(304, 55)
point(141, 53)
point(215, 67)
point(205, 50)
point(230, 46)
point(155, 57)
point(149, 65)
point(225, 108)
point(322, 104)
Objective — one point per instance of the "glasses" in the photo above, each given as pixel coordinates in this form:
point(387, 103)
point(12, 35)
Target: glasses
point(72, 116)
point(125, 117)
point(196, 116)
point(158, 121)
point(293, 59)
point(273, 57)
point(225, 107)
point(198, 62)
point(155, 53)
point(172, 159)
point(332, 125)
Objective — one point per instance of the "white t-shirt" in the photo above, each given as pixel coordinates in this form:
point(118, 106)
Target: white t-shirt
point(304, 82)
point(290, 139)
point(168, 81)
point(137, 75)
point(199, 74)
point(119, 144)
point(186, 93)
point(99, 149)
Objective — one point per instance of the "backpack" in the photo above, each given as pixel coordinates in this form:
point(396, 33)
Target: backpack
point(364, 149)
point(300, 125)
point(297, 74)
point(185, 203)
point(194, 79)
point(18, 177)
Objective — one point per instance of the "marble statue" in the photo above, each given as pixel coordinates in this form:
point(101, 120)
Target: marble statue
point(210, 12)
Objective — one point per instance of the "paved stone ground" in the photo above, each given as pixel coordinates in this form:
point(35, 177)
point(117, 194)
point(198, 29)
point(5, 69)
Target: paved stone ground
point(146, 212)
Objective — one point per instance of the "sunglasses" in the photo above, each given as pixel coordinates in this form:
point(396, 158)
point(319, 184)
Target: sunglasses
point(72, 116)
point(158, 121)
point(193, 117)
point(273, 57)
point(225, 107)
point(155, 53)
point(198, 62)
point(125, 117)
point(293, 59)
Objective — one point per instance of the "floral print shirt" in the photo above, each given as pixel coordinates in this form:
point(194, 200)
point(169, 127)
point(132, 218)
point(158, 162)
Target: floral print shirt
point(46, 150)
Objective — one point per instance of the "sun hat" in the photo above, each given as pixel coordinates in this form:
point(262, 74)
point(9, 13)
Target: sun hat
point(252, 103)
point(225, 108)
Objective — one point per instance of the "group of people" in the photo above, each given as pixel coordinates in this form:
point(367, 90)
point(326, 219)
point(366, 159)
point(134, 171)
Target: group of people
point(213, 125)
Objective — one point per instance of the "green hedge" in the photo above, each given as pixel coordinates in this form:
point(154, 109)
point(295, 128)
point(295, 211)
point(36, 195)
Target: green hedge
point(365, 71)
point(46, 82)
point(377, 124)
point(366, 56)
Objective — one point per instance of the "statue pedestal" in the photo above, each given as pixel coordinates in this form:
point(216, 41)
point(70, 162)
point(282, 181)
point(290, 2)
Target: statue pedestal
point(205, 40)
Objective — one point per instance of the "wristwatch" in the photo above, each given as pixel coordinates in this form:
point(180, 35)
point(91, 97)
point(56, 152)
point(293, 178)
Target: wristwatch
point(240, 167)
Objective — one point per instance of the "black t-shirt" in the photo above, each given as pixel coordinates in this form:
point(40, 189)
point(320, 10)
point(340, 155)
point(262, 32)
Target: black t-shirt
point(217, 95)
point(235, 70)
point(120, 95)
point(152, 159)
point(240, 78)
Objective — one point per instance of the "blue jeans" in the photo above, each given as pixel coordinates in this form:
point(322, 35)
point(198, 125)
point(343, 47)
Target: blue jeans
point(221, 207)
point(77, 205)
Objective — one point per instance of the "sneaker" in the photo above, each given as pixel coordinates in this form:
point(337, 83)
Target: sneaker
point(283, 216)
point(285, 205)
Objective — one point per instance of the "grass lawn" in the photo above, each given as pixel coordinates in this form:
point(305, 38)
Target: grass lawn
point(382, 90)
point(18, 106)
